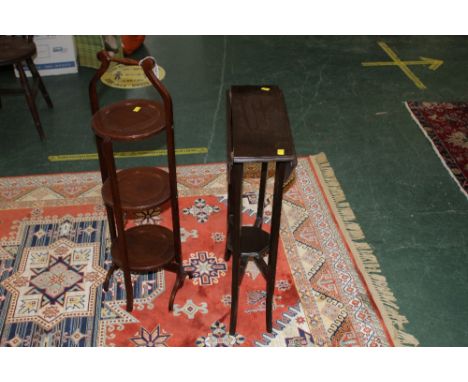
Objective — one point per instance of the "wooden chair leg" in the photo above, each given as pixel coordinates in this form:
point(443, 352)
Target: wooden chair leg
point(37, 77)
point(30, 100)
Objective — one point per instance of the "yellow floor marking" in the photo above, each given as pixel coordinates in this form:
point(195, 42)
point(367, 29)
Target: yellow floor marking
point(128, 154)
point(432, 63)
point(402, 65)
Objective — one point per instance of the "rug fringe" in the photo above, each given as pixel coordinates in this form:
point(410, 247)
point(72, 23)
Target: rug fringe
point(370, 264)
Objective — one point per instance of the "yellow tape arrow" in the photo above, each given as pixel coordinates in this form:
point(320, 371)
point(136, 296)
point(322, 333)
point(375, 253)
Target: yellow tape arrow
point(432, 63)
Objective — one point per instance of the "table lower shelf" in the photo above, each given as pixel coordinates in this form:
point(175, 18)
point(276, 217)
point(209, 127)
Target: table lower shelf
point(149, 247)
point(254, 241)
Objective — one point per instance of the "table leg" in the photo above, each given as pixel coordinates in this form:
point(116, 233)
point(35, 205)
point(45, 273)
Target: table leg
point(274, 238)
point(261, 195)
point(227, 252)
point(235, 236)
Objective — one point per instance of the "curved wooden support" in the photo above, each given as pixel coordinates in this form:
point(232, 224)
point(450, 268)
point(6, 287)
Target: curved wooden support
point(111, 270)
point(177, 285)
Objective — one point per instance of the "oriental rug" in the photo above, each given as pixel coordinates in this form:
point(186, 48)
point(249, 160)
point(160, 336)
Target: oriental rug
point(446, 126)
point(54, 253)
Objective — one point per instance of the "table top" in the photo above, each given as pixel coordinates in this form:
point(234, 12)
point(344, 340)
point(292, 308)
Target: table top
point(258, 125)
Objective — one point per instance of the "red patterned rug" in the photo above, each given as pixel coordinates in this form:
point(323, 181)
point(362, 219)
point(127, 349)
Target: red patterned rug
point(54, 253)
point(446, 126)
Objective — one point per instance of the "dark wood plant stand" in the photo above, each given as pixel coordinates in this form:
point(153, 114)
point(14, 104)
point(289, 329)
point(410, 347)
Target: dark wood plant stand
point(17, 51)
point(144, 248)
point(258, 131)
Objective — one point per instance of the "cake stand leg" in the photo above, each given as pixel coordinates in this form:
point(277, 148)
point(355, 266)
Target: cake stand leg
point(181, 274)
point(111, 270)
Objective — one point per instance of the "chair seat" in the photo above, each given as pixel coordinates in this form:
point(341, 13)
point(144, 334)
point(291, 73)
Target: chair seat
point(131, 119)
point(14, 49)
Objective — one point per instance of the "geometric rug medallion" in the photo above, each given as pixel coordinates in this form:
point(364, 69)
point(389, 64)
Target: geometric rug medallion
point(57, 276)
point(55, 251)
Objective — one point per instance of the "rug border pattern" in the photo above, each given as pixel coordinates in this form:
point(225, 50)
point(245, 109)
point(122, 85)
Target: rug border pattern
point(366, 261)
point(440, 150)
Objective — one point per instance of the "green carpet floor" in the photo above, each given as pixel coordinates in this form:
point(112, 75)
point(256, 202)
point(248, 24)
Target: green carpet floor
point(413, 214)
